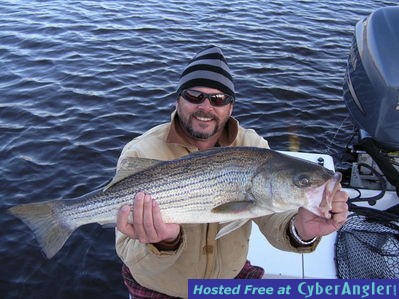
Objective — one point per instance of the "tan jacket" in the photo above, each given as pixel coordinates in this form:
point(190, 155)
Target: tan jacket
point(199, 255)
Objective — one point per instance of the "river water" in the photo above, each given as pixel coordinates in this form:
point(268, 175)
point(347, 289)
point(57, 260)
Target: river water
point(79, 79)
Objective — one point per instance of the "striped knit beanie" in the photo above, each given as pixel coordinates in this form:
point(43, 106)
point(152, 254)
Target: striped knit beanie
point(208, 69)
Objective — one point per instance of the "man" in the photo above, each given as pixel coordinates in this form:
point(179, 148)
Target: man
point(158, 257)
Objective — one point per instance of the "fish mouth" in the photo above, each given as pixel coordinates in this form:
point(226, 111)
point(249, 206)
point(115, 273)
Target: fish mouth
point(326, 192)
point(331, 187)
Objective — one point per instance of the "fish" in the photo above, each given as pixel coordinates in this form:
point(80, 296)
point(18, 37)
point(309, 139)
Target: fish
point(229, 185)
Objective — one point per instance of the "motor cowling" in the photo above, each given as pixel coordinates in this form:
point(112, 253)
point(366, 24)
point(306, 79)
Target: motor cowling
point(371, 86)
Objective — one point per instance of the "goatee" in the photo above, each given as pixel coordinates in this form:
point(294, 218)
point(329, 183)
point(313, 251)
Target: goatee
point(186, 124)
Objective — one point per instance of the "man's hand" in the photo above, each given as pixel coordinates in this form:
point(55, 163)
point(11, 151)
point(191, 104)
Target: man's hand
point(147, 226)
point(309, 225)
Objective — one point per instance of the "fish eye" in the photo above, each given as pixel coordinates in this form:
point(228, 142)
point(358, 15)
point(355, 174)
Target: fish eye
point(302, 180)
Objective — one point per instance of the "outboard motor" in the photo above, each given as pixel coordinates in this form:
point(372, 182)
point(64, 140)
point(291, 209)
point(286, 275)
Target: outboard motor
point(371, 88)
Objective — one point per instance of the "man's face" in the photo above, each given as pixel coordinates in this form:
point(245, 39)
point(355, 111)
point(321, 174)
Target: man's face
point(202, 121)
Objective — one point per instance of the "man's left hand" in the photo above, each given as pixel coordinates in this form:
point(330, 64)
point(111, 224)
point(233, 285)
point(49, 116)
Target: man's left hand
point(309, 225)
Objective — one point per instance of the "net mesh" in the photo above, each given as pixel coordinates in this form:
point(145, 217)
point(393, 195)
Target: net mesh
point(368, 245)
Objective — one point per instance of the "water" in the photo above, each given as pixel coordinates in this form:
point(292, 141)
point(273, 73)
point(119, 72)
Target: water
point(79, 79)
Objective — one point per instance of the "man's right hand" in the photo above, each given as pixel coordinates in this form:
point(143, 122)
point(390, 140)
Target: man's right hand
point(147, 226)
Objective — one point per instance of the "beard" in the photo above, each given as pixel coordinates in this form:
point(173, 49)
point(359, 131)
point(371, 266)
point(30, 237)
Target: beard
point(186, 123)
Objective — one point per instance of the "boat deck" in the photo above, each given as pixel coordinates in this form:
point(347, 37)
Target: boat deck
point(320, 263)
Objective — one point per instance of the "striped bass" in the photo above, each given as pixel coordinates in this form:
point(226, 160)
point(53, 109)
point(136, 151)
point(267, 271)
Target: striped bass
point(230, 184)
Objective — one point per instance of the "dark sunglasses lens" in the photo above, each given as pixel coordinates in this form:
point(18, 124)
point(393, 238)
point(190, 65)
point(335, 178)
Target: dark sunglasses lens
point(193, 96)
point(197, 97)
point(220, 99)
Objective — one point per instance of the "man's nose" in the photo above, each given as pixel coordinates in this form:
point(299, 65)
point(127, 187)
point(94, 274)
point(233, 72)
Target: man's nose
point(206, 105)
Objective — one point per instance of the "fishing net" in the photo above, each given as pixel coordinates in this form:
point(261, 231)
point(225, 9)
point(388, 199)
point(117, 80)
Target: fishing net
point(368, 244)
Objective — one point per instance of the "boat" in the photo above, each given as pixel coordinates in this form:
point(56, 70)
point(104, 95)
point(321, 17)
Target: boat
point(371, 95)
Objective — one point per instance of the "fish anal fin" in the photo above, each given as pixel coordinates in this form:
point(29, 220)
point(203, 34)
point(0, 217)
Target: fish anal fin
point(232, 226)
point(129, 166)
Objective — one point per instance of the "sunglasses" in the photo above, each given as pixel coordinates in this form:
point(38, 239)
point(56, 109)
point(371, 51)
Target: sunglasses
point(197, 97)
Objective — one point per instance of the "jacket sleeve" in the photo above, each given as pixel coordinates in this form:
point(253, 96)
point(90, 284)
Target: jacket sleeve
point(145, 258)
point(275, 228)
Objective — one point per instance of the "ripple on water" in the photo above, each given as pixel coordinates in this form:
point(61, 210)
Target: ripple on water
point(79, 79)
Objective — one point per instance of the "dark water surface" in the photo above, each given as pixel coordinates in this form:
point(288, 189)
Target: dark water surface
point(79, 79)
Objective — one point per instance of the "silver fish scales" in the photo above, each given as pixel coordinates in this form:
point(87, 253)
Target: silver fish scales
point(232, 184)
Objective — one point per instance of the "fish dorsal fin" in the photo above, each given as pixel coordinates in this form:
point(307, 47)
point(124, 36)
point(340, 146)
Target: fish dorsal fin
point(129, 166)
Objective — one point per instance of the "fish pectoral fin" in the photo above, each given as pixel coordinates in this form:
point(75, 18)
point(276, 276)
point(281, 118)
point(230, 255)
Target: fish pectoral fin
point(129, 166)
point(233, 206)
point(230, 227)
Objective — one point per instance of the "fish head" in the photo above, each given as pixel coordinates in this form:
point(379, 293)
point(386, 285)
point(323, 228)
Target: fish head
point(285, 183)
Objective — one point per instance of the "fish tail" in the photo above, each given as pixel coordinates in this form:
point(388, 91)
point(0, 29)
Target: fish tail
point(43, 219)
